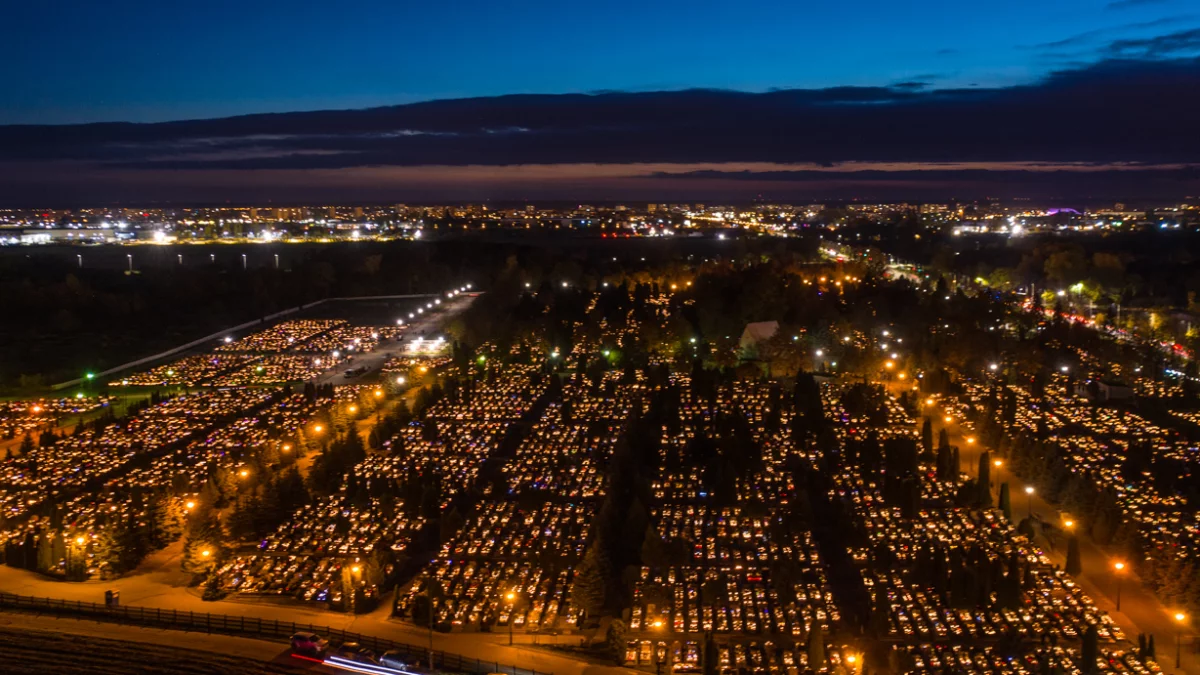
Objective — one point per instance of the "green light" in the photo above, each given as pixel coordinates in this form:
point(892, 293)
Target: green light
point(91, 376)
point(482, 358)
point(605, 352)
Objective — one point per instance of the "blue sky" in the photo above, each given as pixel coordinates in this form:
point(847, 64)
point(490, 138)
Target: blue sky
point(75, 61)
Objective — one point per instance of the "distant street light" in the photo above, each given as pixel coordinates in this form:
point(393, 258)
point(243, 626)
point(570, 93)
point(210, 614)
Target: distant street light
point(1029, 493)
point(129, 256)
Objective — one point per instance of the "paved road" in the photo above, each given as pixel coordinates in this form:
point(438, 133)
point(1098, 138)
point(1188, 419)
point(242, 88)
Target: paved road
point(426, 325)
point(1141, 612)
point(247, 648)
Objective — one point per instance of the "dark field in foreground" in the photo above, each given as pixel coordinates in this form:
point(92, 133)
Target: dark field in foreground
point(42, 652)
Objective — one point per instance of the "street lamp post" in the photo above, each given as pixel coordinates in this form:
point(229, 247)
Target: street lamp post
point(1118, 567)
point(1179, 619)
point(73, 553)
point(129, 257)
point(511, 597)
point(658, 661)
point(1029, 492)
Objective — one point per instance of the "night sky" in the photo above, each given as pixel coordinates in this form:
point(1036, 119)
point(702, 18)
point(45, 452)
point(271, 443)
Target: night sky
point(834, 100)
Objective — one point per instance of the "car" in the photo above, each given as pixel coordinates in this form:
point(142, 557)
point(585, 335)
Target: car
point(352, 651)
point(309, 643)
point(394, 659)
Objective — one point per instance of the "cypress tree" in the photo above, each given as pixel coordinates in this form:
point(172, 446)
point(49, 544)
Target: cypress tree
point(985, 480)
point(1089, 652)
point(816, 647)
point(589, 592)
point(1074, 563)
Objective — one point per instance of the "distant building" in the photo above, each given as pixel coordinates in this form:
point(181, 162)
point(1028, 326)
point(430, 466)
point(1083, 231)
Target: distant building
point(1104, 390)
point(65, 235)
point(1115, 391)
point(755, 334)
